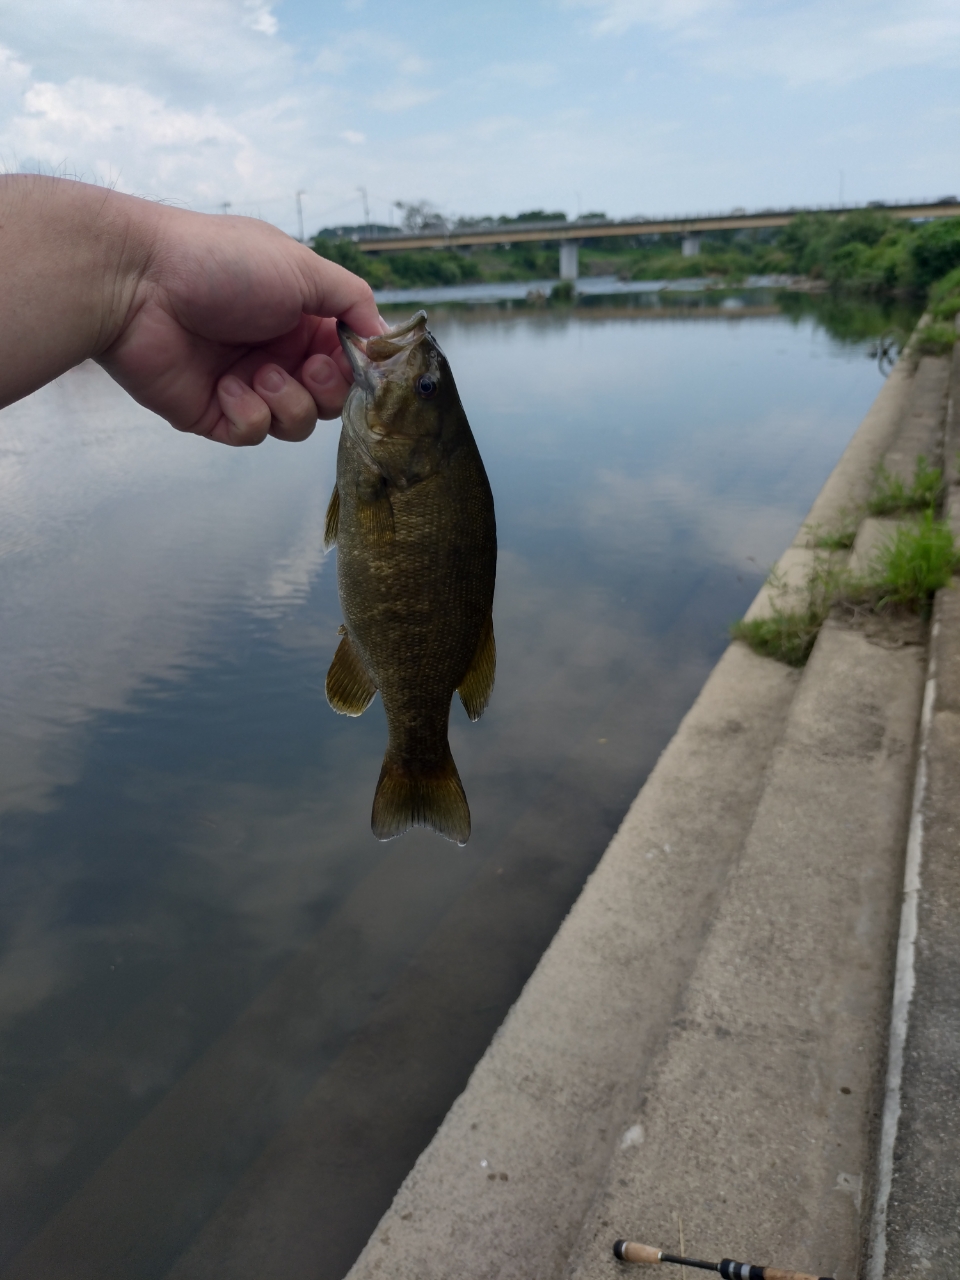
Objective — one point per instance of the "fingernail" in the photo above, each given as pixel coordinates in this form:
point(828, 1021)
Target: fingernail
point(231, 386)
point(385, 325)
point(272, 380)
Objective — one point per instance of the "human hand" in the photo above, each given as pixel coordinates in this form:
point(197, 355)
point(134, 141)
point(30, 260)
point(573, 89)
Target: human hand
point(231, 333)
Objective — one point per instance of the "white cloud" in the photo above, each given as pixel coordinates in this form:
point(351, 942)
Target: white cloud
point(371, 50)
point(525, 75)
point(803, 43)
point(402, 98)
point(123, 134)
point(207, 101)
point(618, 16)
point(261, 18)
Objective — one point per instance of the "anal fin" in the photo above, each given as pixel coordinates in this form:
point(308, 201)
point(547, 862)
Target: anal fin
point(349, 688)
point(331, 526)
point(477, 685)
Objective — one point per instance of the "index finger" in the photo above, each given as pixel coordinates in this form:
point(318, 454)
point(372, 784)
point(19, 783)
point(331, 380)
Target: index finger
point(332, 290)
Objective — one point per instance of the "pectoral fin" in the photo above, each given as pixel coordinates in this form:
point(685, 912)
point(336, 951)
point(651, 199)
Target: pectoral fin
point(375, 517)
point(477, 685)
point(349, 689)
point(331, 526)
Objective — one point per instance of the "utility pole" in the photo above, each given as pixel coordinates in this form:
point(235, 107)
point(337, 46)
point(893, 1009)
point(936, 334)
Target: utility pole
point(300, 215)
point(225, 205)
point(366, 207)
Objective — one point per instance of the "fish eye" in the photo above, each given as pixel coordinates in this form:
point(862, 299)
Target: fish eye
point(426, 386)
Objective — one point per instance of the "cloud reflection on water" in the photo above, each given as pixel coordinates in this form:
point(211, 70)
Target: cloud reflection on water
point(182, 814)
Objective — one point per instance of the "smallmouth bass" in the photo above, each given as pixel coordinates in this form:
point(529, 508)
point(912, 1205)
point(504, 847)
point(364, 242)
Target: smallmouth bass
point(412, 517)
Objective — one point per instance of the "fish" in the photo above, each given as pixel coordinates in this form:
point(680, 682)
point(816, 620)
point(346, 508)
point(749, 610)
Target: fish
point(413, 521)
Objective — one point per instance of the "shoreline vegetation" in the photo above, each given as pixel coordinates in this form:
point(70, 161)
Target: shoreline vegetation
point(865, 252)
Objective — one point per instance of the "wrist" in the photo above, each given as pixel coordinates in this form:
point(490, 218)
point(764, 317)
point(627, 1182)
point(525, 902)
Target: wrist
point(72, 257)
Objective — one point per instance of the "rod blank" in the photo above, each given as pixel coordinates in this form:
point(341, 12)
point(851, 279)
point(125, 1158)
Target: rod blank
point(630, 1251)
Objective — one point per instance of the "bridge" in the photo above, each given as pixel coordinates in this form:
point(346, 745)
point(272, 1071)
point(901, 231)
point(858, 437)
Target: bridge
point(690, 227)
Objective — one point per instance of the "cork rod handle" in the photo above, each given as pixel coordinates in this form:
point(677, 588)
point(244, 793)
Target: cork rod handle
point(627, 1251)
point(771, 1273)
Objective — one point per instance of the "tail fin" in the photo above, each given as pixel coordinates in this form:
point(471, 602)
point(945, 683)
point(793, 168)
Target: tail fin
point(433, 799)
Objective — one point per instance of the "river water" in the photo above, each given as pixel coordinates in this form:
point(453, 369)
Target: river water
point(229, 1018)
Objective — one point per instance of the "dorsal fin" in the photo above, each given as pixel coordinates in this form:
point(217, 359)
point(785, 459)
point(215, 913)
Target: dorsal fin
point(477, 685)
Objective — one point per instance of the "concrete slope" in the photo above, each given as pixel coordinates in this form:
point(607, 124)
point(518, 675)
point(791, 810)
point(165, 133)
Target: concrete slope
point(759, 1120)
point(502, 1189)
point(920, 434)
point(923, 1211)
point(919, 1227)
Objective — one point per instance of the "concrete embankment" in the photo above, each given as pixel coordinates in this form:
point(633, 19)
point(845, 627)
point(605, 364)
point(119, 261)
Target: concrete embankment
point(702, 1049)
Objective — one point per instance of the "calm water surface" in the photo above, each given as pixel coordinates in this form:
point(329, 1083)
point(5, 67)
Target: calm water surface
point(229, 1018)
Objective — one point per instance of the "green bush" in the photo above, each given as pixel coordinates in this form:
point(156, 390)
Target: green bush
point(934, 250)
point(400, 270)
point(945, 296)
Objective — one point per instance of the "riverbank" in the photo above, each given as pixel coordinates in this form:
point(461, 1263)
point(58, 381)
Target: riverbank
point(864, 251)
point(703, 1048)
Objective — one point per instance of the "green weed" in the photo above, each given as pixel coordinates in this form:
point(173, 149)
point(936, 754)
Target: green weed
point(789, 632)
point(893, 497)
point(841, 537)
point(917, 561)
point(787, 637)
point(945, 296)
point(936, 338)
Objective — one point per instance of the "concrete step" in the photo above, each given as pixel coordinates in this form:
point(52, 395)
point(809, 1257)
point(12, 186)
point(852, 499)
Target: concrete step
point(921, 1231)
point(917, 1222)
point(757, 1038)
point(757, 1122)
point(920, 434)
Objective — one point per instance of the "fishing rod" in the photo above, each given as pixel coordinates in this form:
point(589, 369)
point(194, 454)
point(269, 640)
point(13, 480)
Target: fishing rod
point(627, 1251)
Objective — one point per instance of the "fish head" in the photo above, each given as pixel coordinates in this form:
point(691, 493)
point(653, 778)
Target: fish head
point(403, 393)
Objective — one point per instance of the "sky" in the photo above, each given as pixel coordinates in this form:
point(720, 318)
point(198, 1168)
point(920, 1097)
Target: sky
point(622, 106)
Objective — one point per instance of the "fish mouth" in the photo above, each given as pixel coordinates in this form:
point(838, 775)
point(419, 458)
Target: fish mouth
point(374, 359)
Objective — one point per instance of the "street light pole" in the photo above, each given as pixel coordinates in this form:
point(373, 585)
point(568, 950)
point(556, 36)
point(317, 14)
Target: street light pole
point(366, 207)
point(300, 215)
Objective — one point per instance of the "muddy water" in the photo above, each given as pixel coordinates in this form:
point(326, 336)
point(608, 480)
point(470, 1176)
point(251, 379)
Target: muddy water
point(229, 1018)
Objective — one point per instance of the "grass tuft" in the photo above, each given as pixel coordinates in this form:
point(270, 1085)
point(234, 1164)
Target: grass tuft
point(936, 338)
point(841, 537)
point(789, 632)
point(918, 560)
point(892, 497)
point(787, 637)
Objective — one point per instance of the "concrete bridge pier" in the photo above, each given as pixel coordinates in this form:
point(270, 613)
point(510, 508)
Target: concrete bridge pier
point(569, 260)
point(690, 246)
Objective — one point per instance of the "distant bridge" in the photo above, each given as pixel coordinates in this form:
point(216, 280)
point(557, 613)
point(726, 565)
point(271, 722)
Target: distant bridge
point(595, 228)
